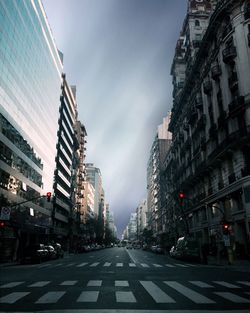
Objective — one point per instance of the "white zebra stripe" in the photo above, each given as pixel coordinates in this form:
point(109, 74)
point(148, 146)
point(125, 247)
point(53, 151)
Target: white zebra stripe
point(50, 297)
point(12, 284)
point(13, 297)
point(88, 296)
point(156, 293)
point(82, 264)
point(125, 296)
point(94, 264)
point(189, 293)
point(94, 283)
point(107, 264)
point(200, 284)
point(40, 283)
point(232, 297)
point(226, 284)
point(144, 265)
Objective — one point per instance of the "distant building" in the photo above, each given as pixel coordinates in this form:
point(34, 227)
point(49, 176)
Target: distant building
point(156, 191)
point(30, 79)
point(142, 217)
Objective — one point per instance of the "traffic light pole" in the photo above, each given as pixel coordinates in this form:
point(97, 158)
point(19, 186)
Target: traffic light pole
point(16, 204)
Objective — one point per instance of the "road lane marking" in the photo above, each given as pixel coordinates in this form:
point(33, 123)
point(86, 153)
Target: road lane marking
point(156, 293)
point(232, 297)
point(119, 264)
point(40, 283)
point(125, 296)
point(13, 297)
point(50, 297)
point(169, 265)
point(70, 264)
point(189, 293)
point(57, 265)
point(157, 265)
point(121, 283)
point(225, 284)
point(94, 283)
point(106, 264)
point(144, 265)
point(13, 284)
point(200, 284)
point(132, 264)
point(68, 283)
point(45, 265)
point(94, 264)
point(181, 265)
point(88, 296)
point(246, 283)
point(82, 264)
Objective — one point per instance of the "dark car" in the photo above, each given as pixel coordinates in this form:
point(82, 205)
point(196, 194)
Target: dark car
point(187, 249)
point(51, 252)
point(35, 253)
point(58, 249)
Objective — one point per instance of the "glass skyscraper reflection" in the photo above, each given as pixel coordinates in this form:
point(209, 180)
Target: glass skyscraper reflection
point(30, 80)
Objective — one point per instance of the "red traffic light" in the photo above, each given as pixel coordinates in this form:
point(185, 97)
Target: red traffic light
point(181, 195)
point(2, 223)
point(48, 196)
point(225, 226)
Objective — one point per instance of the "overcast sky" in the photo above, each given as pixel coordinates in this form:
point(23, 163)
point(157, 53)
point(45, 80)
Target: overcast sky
point(118, 53)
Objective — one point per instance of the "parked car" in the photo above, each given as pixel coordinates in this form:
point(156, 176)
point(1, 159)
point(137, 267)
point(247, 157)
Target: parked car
point(51, 252)
point(153, 248)
point(35, 253)
point(187, 249)
point(59, 250)
point(159, 249)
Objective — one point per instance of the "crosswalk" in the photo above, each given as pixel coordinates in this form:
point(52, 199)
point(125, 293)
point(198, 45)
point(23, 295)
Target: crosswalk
point(117, 264)
point(159, 292)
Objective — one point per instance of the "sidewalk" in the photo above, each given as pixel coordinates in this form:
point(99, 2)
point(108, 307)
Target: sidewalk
point(223, 262)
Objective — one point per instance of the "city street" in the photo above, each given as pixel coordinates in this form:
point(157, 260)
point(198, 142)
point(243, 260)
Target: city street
point(117, 279)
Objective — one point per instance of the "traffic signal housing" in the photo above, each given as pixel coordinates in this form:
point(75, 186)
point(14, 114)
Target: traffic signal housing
point(48, 196)
point(181, 197)
point(225, 227)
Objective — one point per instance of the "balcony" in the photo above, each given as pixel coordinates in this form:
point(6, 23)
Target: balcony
point(227, 29)
point(196, 43)
point(245, 171)
point(201, 124)
point(192, 117)
point(229, 54)
point(222, 119)
point(216, 71)
point(199, 103)
point(207, 86)
point(220, 185)
point(213, 131)
point(233, 81)
point(247, 11)
point(231, 178)
point(237, 106)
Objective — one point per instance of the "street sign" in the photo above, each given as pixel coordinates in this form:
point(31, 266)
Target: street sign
point(5, 214)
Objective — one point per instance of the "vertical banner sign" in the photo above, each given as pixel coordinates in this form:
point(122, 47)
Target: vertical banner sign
point(5, 214)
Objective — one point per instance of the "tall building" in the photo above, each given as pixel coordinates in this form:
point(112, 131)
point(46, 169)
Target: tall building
point(210, 124)
point(155, 179)
point(66, 163)
point(142, 218)
point(95, 178)
point(30, 80)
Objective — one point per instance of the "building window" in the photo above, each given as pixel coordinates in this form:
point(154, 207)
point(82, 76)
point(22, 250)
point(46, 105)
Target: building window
point(197, 23)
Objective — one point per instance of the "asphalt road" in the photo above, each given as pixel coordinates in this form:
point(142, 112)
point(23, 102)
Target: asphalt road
point(117, 280)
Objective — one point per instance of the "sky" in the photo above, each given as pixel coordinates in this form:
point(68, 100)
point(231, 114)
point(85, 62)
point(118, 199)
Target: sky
point(119, 53)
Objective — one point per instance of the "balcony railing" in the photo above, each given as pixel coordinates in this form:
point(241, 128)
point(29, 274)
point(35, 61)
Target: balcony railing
point(229, 54)
point(231, 178)
point(222, 118)
point(237, 106)
point(216, 71)
point(199, 103)
point(227, 29)
point(245, 171)
point(207, 86)
point(213, 131)
point(233, 81)
point(247, 11)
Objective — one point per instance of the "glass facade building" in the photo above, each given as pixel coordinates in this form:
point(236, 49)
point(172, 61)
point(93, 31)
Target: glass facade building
point(30, 81)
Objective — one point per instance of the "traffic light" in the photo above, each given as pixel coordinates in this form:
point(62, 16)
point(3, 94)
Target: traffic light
point(181, 196)
point(225, 226)
point(2, 224)
point(48, 196)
